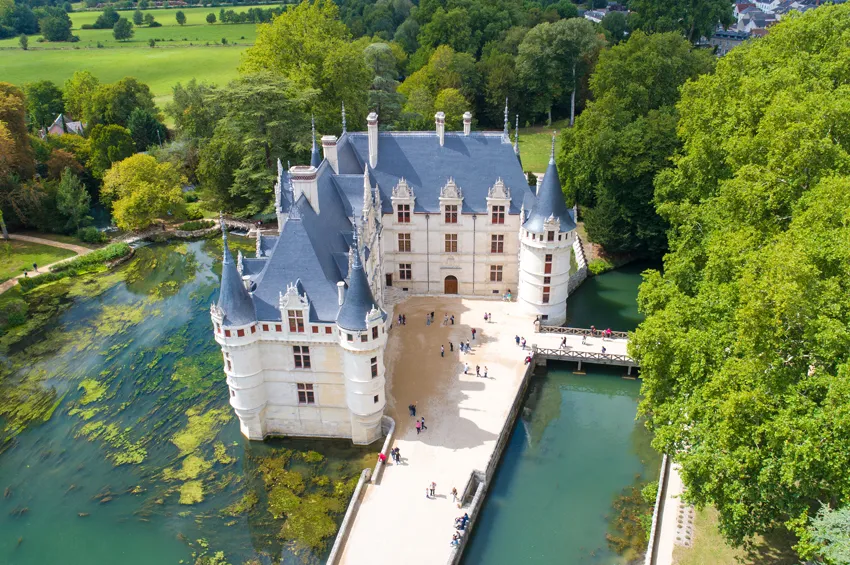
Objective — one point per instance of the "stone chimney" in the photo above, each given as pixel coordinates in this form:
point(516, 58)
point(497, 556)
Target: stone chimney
point(304, 182)
point(372, 123)
point(340, 289)
point(440, 120)
point(329, 150)
point(467, 123)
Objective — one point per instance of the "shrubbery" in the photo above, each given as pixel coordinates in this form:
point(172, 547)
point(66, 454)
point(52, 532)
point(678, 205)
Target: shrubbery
point(87, 263)
point(91, 235)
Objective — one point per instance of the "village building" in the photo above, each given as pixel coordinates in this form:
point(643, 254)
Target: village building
point(303, 324)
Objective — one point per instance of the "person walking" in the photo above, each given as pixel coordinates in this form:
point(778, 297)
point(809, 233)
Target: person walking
point(523, 343)
point(467, 346)
point(485, 372)
point(433, 489)
point(454, 494)
point(428, 491)
point(412, 409)
point(517, 340)
point(466, 368)
point(451, 347)
point(490, 317)
point(485, 317)
point(453, 319)
point(445, 319)
point(563, 343)
point(473, 334)
point(442, 351)
point(584, 339)
point(403, 320)
point(418, 427)
point(477, 371)
point(399, 319)
point(35, 267)
point(603, 349)
point(424, 427)
point(427, 320)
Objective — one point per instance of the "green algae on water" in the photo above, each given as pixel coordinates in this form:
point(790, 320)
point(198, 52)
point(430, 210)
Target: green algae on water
point(94, 391)
point(201, 428)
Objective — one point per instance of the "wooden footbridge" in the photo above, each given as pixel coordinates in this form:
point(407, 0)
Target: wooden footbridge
point(583, 345)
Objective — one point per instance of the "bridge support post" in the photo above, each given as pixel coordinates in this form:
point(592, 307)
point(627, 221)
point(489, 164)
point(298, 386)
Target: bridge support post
point(579, 366)
point(629, 372)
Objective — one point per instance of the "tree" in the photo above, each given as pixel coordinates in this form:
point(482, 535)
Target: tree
point(625, 136)
point(695, 19)
point(21, 20)
point(59, 160)
point(44, 102)
point(194, 109)
point(108, 144)
point(141, 190)
point(450, 28)
point(19, 156)
point(145, 129)
point(406, 35)
point(78, 93)
point(211, 18)
point(24, 42)
point(150, 20)
point(743, 355)
point(72, 200)
point(123, 29)
point(113, 103)
point(138, 17)
point(829, 534)
point(453, 104)
point(265, 119)
point(383, 95)
point(181, 17)
point(107, 19)
point(310, 47)
point(616, 27)
point(552, 60)
point(55, 24)
point(498, 72)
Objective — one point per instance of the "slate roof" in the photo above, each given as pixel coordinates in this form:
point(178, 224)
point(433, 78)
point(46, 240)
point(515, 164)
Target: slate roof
point(550, 202)
point(358, 300)
point(475, 162)
point(233, 299)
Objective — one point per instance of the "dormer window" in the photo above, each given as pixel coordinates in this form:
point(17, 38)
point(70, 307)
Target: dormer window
point(451, 214)
point(550, 236)
point(404, 213)
point(497, 214)
point(296, 321)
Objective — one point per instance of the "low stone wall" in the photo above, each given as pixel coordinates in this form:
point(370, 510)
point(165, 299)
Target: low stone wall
point(652, 548)
point(479, 481)
point(348, 519)
point(388, 427)
point(195, 233)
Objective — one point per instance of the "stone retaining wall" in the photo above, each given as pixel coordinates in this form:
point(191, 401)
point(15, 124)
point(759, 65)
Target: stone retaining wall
point(345, 526)
point(388, 427)
point(652, 549)
point(578, 277)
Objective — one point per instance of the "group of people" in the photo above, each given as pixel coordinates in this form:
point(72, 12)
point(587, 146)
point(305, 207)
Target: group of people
point(402, 320)
point(477, 370)
point(460, 526)
point(606, 333)
point(520, 341)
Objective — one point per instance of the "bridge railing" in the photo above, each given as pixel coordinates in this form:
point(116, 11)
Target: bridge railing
point(573, 354)
point(579, 331)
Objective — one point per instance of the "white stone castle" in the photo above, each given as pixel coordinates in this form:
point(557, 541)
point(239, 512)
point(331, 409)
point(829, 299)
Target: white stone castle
point(303, 324)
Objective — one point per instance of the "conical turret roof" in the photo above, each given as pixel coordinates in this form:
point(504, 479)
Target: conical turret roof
point(358, 298)
point(550, 201)
point(233, 298)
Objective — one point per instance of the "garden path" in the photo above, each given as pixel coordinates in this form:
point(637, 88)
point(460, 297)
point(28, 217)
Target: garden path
point(78, 249)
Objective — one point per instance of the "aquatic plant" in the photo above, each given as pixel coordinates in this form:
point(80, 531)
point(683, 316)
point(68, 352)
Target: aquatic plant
point(201, 428)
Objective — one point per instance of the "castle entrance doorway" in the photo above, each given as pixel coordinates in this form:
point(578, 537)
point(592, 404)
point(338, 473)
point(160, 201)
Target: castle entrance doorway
point(450, 285)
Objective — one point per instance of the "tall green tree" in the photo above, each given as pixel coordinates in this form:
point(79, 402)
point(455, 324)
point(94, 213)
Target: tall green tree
point(693, 18)
point(113, 103)
point(44, 102)
point(445, 69)
point(383, 93)
point(266, 118)
point(140, 191)
point(194, 109)
point(145, 129)
point(552, 60)
point(122, 30)
point(310, 47)
point(616, 26)
point(744, 351)
point(138, 17)
point(181, 17)
point(54, 24)
point(78, 93)
point(108, 144)
point(73, 200)
point(625, 136)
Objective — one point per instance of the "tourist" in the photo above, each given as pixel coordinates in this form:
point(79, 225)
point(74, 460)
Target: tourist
point(528, 359)
point(473, 334)
point(516, 338)
point(454, 494)
point(467, 346)
point(603, 349)
point(477, 371)
point(523, 343)
point(35, 267)
point(398, 455)
point(399, 319)
point(593, 330)
point(427, 320)
point(455, 539)
point(608, 333)
point(584, 339)
point(424, 427)
point(563, 343)
point(442, 351)
point(453, 319)
point(418, 427)
point(490, 317)
point(382, 457)
point(428, 491)
point(485, 316)
point(26, 274)
point(403, 320)
point(465, 366)
point(432, 316)
point(433, 488)
point(445, 319)
point(451, 346)
point(412, 409)
point(485, 371)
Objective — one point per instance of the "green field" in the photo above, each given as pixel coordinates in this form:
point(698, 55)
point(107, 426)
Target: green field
point(19, 255)
point(535, 145)
point(159, 68)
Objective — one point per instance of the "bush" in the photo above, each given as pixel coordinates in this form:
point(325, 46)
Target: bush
point(91, 235)
point(195, 225)
point(599, 266)
point(13, 313)
point(90, 262)
point(191, 196)
point(194, 211)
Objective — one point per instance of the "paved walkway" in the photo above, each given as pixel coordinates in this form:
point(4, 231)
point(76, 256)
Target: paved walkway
point(464, 415)
point(669, 512)
point(79, 249)
point(614, 346)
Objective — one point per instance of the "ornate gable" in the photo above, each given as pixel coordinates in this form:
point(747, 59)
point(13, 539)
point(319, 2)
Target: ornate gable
point(292, 300)
point(499, 191)
point(451, 191)
point(403, 191)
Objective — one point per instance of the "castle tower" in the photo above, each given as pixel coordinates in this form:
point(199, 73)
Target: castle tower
point(546, 239)
point(363, 338)
point(235, 326)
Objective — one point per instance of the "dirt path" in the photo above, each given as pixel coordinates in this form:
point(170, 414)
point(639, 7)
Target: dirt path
point(78, 249)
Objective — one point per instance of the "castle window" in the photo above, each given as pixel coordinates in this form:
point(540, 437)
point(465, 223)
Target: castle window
point(547, 267)
point(547, 280)
point(265, 327)
point(545, 295)
point(350, 337)
point(364, 338)
point(240, 333)
point(253, 329)
point(405, 272)
point(328, 330)
point(232, 392)
point(451, 243)
point(451, 213)
point(375, 399)
point(404, 213)
point(498, 215)
point(302, 356)
point(404, 243)
point(227, 361)
point(217, 329)
point(550, 236)
point(375, 332)
point(495, 273)
point(374, 361)
point(278, 328)
point(315, 329)
point(306, 394)
point(296, 321)
point(226, 333)
point(497, 243)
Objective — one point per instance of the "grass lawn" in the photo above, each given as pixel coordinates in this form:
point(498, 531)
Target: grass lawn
point(17, 255)
point(61, 238)
point(159, 68)
point(535, 144)
point(709, 547)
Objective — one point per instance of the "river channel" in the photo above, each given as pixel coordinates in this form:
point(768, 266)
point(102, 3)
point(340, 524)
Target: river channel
point(575, 450)
point(117, 441)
